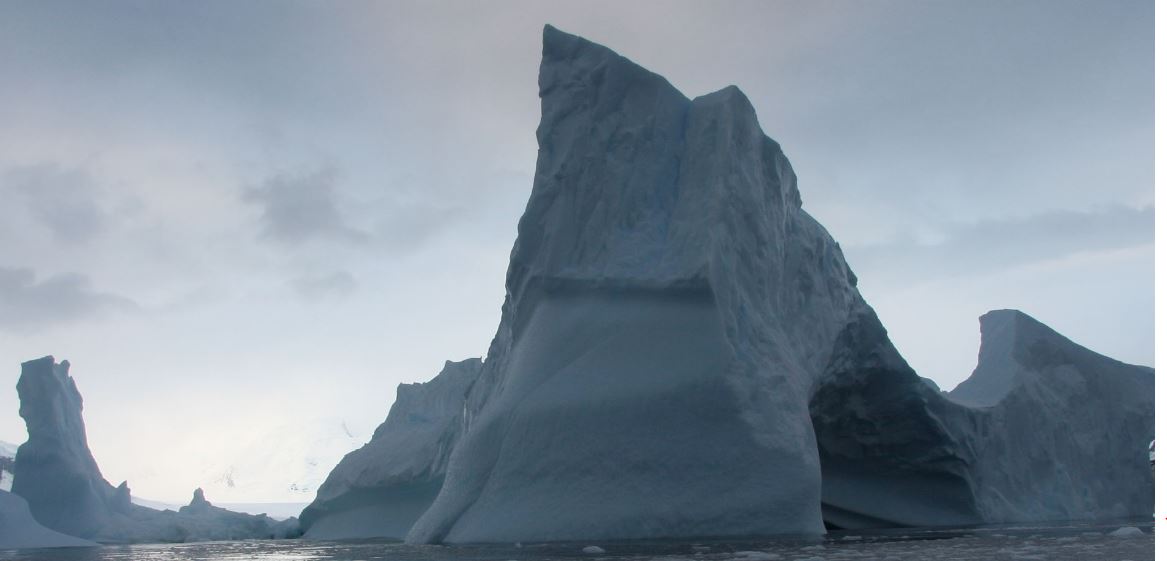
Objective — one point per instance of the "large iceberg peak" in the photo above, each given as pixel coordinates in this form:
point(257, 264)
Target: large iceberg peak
point(664, 273)
point(683, 351)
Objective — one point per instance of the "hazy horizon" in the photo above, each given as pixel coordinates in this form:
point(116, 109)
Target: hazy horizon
point(242, 221)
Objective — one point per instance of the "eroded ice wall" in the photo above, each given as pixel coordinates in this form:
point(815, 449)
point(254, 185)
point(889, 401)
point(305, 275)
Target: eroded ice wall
point(683, 352)
point(1060, 432)
point(54, 470)
point(669, 308)
point(382, 488)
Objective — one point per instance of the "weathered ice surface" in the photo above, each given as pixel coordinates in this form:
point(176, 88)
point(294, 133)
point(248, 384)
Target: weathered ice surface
point(888, 457)
point(54, 470)
point(670, 308)
point(1043, 430)
point(382, 488)
point(56, 474)
point(683, 352)
point(18, 529)
point(1058, 431)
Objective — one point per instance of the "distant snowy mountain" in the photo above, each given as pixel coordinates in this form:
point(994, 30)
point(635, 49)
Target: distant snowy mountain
point(286, 465)
point(7, 458)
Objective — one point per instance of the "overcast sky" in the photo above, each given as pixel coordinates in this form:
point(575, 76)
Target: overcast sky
point(238, 217)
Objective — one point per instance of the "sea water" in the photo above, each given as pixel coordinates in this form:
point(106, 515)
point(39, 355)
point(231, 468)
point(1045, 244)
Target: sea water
point(1080, 542)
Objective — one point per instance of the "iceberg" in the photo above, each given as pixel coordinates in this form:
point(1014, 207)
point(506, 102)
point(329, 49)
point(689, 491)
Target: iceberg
point(670, 311)
point(1058, 432)
point(54, 470)
point(19, 530)
point(684, 352)
point(379, 490)
point(57, 478)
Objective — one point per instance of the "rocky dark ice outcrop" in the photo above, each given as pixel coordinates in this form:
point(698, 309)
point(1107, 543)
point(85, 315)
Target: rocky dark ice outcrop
point(56, 474)
point(382, 488)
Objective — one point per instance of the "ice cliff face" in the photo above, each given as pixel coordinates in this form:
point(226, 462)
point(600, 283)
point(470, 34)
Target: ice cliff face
point(887, 456)
point(670, 309)
point(58, 477)
point(1057, 431)
point(683, 352)
point(382, 488)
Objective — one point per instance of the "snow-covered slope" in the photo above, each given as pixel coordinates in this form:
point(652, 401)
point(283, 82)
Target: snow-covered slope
point(65, 491)
point(7, 462)
point(381, 489)
point(287, 464)
point(19, 530)
point(259, 467)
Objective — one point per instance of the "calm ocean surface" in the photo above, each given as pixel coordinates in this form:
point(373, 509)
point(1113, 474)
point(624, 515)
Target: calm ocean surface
point(1085, 542)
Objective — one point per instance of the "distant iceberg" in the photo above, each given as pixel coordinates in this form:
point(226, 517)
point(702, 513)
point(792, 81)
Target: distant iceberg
point(58, 481)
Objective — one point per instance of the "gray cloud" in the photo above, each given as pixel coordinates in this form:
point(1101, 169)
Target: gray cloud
point(325, 285)
point(409, 227)
point(993, 245)
point(298, 209)
point(57, 198)
point(900, 118)
point(27, 303)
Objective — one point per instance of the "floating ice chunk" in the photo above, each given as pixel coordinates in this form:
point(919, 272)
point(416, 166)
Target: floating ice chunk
point(1126, 532)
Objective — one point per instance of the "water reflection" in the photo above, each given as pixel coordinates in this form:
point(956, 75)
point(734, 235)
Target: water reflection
point(1071, 541)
